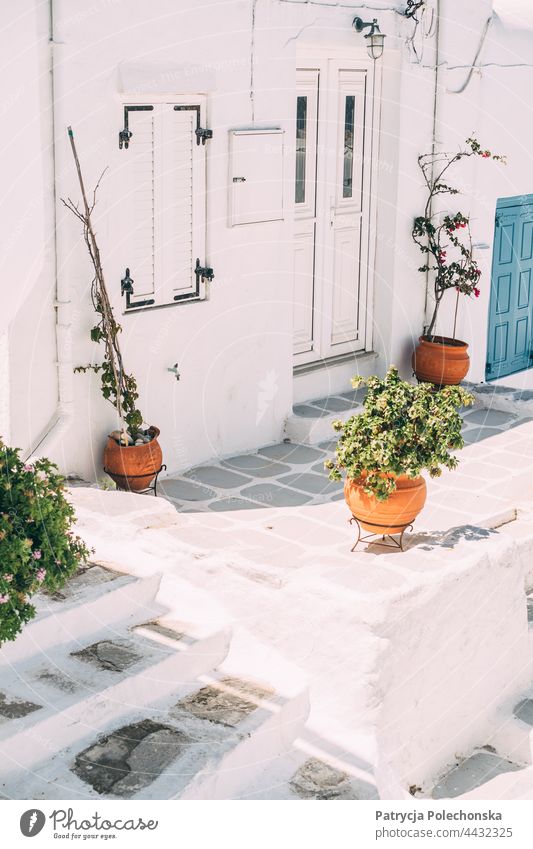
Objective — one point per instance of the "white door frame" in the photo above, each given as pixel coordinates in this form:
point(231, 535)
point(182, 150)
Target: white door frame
point(328, 62)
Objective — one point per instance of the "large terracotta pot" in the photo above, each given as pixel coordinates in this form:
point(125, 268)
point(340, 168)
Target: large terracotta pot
point(440, 360)
point(133, 467)
point(391, 516)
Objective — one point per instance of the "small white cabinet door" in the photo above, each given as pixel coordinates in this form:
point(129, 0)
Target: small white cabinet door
point(255, 176)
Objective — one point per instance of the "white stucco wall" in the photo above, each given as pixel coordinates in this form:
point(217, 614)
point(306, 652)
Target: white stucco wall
point(233, 350)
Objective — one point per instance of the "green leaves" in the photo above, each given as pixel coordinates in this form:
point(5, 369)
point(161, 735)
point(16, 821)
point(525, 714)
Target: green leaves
point(37, 545)
point(403, 430)
point(447, 240)
point(127, 385)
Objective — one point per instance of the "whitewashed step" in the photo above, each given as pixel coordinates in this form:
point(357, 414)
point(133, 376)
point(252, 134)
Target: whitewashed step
point(208, 743)
point(85, 609)
point(310, 424)
point(63, 701)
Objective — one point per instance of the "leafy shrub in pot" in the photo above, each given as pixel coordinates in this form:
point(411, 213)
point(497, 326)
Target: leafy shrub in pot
point(404, 429)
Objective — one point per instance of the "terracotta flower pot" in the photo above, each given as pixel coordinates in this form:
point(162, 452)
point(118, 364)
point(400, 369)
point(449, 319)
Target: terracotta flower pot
point(391, 516)
point(133, 467)
point(442, 361)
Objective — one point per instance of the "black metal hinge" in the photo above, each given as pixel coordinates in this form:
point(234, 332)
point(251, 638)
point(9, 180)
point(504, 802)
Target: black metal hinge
point(125, 135)
point(202, 135)
point(488, 368)
point(200, 132)
point(126, 288)
point(203, 272)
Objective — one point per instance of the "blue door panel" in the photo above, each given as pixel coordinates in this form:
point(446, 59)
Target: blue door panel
point(510, 344)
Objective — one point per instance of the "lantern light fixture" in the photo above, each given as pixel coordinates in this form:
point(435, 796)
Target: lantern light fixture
point(374, 39)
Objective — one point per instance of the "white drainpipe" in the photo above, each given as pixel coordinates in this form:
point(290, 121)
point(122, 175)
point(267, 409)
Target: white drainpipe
point(64, 414)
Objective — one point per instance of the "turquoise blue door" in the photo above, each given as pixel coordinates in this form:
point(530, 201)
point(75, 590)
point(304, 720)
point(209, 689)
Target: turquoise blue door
point(510, 341)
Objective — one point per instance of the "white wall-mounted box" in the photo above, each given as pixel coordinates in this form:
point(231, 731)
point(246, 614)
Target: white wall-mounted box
point(255, 176)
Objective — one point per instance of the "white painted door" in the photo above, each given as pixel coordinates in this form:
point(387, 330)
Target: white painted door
point(332, 180)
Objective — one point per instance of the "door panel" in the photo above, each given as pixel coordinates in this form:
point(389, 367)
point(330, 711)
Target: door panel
point(331, 210)
point(511, 306)
point(303, 275)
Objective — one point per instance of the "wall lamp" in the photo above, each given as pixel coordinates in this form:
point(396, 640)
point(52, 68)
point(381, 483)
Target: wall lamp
point(374, 38)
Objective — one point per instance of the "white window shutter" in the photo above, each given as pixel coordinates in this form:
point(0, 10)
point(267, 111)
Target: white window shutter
point(165, 203)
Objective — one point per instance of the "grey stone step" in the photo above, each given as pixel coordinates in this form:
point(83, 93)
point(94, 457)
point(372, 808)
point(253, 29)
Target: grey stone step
point(106, 600)
point(63, 701)
point(207, 742)
point(473, 772)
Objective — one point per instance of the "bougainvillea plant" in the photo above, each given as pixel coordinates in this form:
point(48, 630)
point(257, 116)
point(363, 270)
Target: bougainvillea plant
point(403, 429)
point(446, 239)
point(38, 548)
point(118, 387)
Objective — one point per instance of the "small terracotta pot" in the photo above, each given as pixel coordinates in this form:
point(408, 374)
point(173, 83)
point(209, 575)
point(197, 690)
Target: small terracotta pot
point(391, 516)
point(133, 467)
point(440, 360)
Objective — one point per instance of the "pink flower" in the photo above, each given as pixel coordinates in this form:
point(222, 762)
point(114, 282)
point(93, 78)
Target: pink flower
point(8, 578)
point(476, 293)
point(4, 599)
point(41, 575)
point(36, 554)
point(58, 562)
point(485, 154)
point(28, 467)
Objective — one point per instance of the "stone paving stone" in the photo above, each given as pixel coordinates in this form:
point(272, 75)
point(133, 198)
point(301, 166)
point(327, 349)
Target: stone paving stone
point(329, 446)
point(524, 709)
point(163, 630)
point(319, 469)
point(356, 396)
point(90, 576)
point(521, 421)
point(318, 780)
point(489, 388)
point(59, 681)
point(489, 418)
point(471, 773)
point(478, 434)
point(291, 453)
point(225, 702)
point(114, 655)
point(333, 404)
point(185, 490)
point(217, 476)
point(221, 505)
point(315, 484)
point(256, 466)
point(270, 495)
point(523, 395)
point(12, 708)
point(308, 412)
point(131, 758)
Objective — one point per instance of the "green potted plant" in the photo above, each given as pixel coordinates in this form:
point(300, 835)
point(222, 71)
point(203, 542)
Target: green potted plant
point(38, 548)
point(132, 456)
point(403, 430)
point(445, 240)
